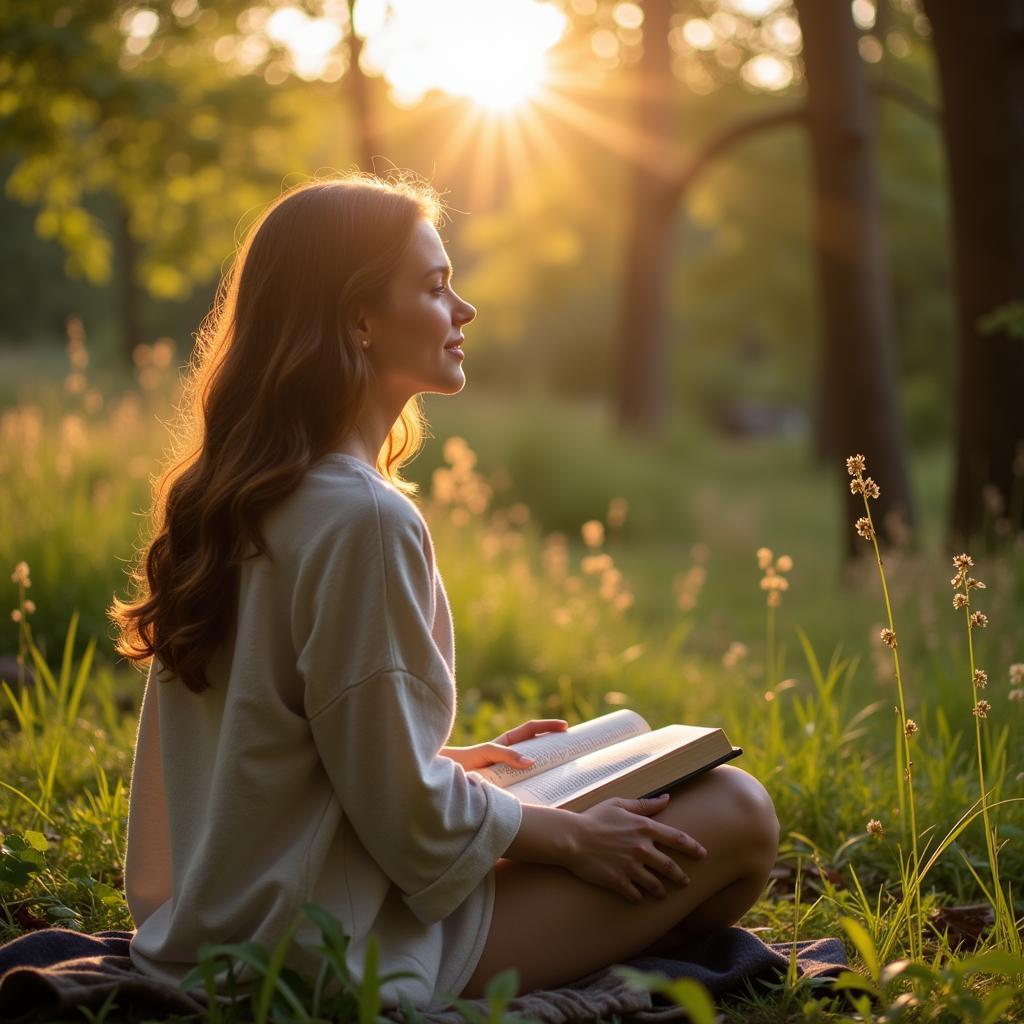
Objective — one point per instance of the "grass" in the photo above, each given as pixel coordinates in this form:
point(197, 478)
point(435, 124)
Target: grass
point(651, 614)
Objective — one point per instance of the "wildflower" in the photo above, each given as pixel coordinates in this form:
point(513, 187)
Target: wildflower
point(973, 584)
point(855, 465)
point(856, 485)
point(20, 574)
point(875, 828)
point(618, 509)
point(1017, 694)
point(774, 599)
point(734, 655)
point(30, 607)
point(960, 601)
point(864, 528)
point(764, 558)
point(16, 615)
point(888, 637)
point(593, 533)
point(871, 489)
point(784, 563)
point(982, 708)
point(979, 620)
point(911, 727)
point(1017, 673)
point(961, 563)
point(980, 678)
point(593, 564)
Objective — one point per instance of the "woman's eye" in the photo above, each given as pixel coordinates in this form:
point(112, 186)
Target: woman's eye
point(439, 289)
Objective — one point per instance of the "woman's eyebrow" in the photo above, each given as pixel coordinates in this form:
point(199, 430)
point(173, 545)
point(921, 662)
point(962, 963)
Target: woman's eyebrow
point(441, 268)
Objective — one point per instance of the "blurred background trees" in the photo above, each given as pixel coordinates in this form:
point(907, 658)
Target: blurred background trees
point(739, 209)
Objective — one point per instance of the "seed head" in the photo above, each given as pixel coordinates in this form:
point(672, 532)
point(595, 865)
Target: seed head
point(764, 558)
point(973, 584)
point(982, 708)
point(774, 599)
point(30, 606)
point(16, 615)
point(963, 561)
point(1017, 694)
point(734, 655)
point(911, 727)
point(784, 563)
point(871, 489)
point(856, 485)
point(980, 678)
point(593, 533)
point(979, 620)
point(20, 574)
point(855, 465)
point(864, 528)
point(875, 828)
point(888, 637)
point(960, 601)
point(1017, 674)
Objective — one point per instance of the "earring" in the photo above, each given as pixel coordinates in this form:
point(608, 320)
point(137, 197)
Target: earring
point(366, 343)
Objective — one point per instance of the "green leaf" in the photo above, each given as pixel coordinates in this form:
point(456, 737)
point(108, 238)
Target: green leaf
point(863, 944)
point(996, 1003)
point(995, 961)
point(61, 913)
point(687, 994)
point(691, 996)
point(37, 841)
point(501, 989)
point(850, 982)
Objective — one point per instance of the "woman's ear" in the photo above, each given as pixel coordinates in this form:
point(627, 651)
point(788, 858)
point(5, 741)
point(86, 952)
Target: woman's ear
point(361, 331)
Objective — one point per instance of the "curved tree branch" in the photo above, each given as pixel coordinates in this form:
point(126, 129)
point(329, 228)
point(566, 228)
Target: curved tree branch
point(908, 98)
point(728, 138)
point(788, 115)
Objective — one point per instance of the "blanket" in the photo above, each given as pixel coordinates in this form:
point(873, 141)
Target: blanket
point(55, 970)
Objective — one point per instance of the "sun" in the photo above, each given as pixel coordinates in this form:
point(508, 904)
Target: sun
point(492, 52)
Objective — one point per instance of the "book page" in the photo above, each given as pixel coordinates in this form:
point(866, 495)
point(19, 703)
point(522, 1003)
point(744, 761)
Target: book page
point(572, 776)
point(555, 748)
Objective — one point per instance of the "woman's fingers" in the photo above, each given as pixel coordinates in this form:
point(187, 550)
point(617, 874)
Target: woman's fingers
point(500, 754)
point(679, 841)
point(532, 728)
point(667, 868)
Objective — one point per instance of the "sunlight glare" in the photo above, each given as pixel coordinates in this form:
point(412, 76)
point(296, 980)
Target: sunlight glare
point(492, 52)
point(310, 41)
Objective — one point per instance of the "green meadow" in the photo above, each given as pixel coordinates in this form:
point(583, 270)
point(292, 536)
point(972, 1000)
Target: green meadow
point(586, 572)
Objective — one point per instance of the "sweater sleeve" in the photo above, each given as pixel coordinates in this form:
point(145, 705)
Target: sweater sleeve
point(434, 830)
point(380, 700)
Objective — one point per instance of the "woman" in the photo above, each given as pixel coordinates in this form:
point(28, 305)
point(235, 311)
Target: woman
point(291, 744)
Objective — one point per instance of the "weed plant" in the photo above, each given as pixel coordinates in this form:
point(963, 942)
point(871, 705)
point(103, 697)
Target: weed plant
point(556, 623)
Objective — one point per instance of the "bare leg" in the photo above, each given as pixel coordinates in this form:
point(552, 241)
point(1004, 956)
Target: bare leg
point(554, 927)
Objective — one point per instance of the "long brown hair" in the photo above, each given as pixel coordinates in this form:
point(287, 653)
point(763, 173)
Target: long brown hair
point(275, 381)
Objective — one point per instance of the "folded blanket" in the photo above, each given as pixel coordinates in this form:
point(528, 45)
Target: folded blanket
point(54, 970)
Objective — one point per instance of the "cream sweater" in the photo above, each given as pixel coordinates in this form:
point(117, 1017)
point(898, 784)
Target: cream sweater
point(310, 772)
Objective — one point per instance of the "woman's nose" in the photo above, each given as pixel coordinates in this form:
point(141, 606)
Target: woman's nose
point(464, 313)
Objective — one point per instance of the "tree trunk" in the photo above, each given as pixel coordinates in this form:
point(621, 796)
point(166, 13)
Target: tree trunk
point(641, 381)
point(858, 368)
point(359, 91)
point(980, 53)
point(129, 303)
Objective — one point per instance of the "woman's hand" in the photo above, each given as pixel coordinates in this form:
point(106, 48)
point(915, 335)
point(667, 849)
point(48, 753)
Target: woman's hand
point(482, 755)
point(617, 847)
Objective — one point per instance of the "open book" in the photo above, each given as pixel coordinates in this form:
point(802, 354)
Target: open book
point(617, 754)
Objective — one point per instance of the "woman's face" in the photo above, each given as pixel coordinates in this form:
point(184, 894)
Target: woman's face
point(415, 338)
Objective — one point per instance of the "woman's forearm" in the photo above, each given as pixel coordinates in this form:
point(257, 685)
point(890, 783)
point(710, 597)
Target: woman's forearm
point(547, 835)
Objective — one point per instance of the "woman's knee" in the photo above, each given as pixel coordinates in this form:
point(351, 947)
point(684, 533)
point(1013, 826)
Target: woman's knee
point(756, 809)
point(737, 809)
